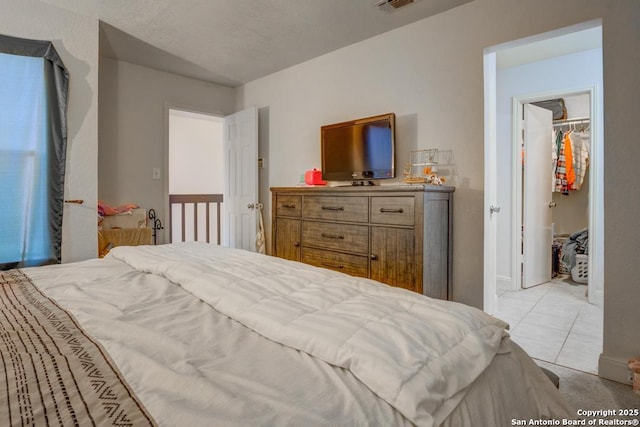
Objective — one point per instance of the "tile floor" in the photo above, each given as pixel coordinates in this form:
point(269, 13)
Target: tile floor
point(555, 323)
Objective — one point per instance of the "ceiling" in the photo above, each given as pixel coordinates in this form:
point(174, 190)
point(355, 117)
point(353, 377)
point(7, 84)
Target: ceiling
point(556, 43)
point(232, 42)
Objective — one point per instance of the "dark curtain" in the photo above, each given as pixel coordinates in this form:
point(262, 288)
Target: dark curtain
point(56, 86)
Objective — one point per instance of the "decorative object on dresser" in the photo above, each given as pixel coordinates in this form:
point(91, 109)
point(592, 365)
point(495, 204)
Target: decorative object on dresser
point(398, 235)
point(422, 168)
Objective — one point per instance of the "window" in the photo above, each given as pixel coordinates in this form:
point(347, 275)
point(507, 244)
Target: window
point(33, 91)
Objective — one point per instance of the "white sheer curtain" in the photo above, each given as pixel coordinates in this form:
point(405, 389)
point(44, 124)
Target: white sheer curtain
point(24, 209)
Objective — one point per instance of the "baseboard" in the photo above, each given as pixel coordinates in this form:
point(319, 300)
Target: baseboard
point(503, 283)
point(614, 369)
point(599, 298)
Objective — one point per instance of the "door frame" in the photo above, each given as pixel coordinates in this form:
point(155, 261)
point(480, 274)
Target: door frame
point(596, 225)
point(491, 209)
point(168, 105)
point(596, 193)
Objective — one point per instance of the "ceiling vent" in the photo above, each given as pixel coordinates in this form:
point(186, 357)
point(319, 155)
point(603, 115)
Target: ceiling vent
point(391, 5)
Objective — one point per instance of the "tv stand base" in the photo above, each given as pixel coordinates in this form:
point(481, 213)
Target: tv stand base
point(361, 183)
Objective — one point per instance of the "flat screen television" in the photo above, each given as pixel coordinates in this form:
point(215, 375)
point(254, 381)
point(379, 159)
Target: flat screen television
point(359, 150)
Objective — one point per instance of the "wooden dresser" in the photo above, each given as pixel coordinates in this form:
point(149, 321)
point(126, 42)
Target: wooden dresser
point(399, 235)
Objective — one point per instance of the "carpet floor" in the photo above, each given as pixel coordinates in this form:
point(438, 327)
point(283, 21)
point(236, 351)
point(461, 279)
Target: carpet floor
point(590, 392)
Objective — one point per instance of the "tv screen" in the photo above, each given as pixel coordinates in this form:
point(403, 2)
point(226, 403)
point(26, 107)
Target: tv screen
point(360, 149)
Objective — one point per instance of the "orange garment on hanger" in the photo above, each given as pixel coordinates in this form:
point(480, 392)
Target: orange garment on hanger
point(568, 155)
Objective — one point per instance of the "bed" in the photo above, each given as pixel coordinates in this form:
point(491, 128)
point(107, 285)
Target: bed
point(194, 334)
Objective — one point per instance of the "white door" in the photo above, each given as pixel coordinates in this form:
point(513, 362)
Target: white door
point(241, 186)
point(537, 203)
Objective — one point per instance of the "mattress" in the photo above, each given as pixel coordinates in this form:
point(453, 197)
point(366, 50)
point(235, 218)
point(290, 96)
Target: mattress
point(205, 335)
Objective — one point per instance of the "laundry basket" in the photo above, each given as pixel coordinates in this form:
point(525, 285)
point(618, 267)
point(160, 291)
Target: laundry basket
point(580, 272)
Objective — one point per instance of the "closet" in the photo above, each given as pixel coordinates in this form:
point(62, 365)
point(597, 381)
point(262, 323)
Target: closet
point(570, 148)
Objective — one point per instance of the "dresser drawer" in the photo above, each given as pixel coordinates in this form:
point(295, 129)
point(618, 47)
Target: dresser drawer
point(345, 263)
point(288, 205)
point(393, 210)
point(340, 237)
point(336, 208)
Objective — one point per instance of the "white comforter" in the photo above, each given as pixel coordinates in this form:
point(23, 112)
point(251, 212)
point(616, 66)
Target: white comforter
point(393, 357)
point(432, 349)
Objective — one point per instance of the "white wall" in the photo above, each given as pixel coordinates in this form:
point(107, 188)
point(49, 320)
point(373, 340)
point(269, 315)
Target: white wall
point(430, 74)
point(390, 73)
point(75, 37)
point(134, 103)
point(578, 106)
point(557, 75)
point(195, 153)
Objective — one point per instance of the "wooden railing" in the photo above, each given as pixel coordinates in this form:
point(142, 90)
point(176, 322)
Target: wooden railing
point(195, 199)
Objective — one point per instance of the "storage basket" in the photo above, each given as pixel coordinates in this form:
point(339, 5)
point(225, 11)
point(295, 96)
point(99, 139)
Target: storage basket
point(580, 272)
point(559, 241)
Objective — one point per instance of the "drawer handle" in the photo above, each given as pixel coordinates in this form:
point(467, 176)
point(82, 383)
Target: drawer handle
point(387, 210)
point(374, 257)
point(289, 206)
point(332, 236)
point(332, 208)
point(326, 264)
point(296, 244)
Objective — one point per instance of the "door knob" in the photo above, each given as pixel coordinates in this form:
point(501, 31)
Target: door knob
point(494, 209)
point(251, 206)
point(552, 204)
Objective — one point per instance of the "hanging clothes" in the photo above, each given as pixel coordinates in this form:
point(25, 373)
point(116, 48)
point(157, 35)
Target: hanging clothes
point(570, 160)
point(561, 171)
point(580, 146)
point(568, 155)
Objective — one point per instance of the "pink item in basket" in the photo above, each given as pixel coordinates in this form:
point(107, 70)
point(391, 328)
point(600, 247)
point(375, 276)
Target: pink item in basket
point(105, 209)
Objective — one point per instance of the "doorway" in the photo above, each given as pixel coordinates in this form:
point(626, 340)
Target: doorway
point(195, 167)
point(568, 209)
point(215, 155)
point(515, 74)
point(549, 309)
